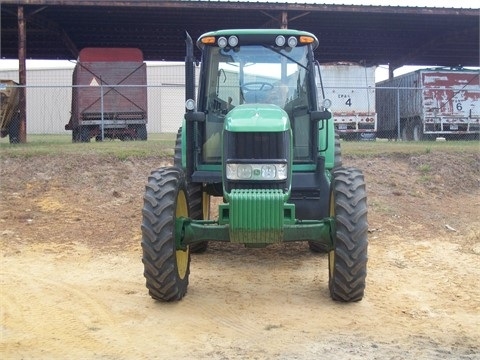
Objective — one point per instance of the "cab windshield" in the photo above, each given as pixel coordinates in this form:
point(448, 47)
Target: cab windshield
point(252, 74)
point(257, 74)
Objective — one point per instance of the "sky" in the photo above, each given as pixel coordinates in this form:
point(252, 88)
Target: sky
point(382, 71)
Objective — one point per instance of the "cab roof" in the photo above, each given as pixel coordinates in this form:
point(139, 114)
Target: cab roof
point(258, 36)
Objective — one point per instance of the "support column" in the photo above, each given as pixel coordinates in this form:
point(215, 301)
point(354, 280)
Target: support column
point(22, 74)
point(390, 71)
point(284, 24)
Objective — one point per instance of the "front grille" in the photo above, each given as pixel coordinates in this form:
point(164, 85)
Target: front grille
point(257, 147)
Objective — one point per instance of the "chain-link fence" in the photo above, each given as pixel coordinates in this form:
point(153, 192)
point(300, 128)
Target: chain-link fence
point(56, 107)
point(444, 105)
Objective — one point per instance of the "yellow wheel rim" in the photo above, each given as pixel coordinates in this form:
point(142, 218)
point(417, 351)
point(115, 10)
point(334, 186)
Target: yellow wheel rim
point(182, 255)
point(205, 206)
point(331, 261)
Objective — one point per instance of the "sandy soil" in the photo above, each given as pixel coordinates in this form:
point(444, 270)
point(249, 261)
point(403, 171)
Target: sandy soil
point(72, 283)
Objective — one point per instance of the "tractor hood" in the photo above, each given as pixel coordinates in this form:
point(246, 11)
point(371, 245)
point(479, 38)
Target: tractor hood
point(257, 118)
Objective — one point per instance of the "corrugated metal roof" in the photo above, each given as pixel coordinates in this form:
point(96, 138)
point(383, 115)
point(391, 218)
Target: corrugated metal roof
point(400, 35)
point(447, 4)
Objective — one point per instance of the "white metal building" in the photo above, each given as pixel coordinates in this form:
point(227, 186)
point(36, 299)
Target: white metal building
point(49, 97)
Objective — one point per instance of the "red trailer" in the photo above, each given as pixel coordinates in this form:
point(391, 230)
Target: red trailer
point(109, 96)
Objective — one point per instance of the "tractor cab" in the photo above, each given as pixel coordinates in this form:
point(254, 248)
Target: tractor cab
point(260, 89)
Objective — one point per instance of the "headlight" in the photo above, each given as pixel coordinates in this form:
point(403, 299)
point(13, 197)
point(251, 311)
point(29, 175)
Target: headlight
point(222, 42)
point(292, 41)
point(256, 171)
point(280, 40)
point(233, 41)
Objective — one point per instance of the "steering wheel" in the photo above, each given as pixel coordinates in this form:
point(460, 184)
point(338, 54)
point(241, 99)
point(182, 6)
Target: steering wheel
point(257, 86)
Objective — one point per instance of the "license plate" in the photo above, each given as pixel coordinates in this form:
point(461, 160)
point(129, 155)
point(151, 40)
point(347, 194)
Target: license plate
point(342, 126)
point(453, 127)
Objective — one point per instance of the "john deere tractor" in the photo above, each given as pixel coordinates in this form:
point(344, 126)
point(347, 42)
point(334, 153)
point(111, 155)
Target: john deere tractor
point(261, 137)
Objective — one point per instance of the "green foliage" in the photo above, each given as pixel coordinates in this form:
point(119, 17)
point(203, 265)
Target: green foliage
point(424, 168)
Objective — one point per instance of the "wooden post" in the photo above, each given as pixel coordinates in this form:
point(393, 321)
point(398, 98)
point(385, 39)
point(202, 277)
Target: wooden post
point(22, 75)
point(284, 23)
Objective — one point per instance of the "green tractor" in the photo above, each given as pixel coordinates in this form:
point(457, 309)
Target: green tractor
point(261, 138)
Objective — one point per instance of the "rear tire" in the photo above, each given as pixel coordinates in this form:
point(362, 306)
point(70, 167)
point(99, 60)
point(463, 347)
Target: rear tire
point(166, 268)
point(347, 261)
point(14, 130)
point(141, 132)
point(337, 162)
point(405, 132)
point(75, 135)
point(417, 130)
point(199, 202)
point(84, 133)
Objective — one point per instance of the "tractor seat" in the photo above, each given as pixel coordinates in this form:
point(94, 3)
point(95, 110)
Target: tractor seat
point(255, 96)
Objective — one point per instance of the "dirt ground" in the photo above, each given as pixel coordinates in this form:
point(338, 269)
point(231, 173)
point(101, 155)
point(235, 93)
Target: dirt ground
point(72, 284)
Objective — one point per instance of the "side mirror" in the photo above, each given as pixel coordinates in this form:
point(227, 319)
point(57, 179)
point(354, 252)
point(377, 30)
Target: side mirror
point(320, 115)
point(198, 116)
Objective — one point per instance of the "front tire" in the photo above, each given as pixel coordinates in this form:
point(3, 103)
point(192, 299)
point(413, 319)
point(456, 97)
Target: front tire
point(166, 267)
point(347, 261)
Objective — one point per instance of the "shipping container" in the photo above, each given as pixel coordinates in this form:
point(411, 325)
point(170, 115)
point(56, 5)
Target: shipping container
point(109, 95)
point(351, 88)
point(430, 103)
